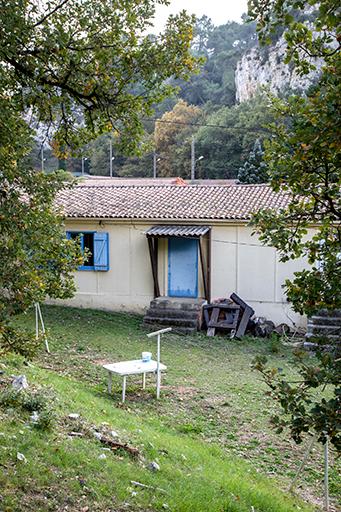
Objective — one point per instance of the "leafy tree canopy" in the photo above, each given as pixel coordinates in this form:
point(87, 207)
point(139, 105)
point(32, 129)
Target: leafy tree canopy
point(303, 158)
point(316, 36)
point(75, 64)
point(229, 136)
point(78, 68)
point(173, 139)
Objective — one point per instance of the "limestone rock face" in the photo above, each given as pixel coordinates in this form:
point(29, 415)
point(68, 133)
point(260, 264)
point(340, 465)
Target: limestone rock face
point(265, 67)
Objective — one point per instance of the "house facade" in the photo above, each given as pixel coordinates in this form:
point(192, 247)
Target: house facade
point(177, 241)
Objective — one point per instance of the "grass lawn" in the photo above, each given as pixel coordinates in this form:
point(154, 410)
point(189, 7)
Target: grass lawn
point(209, 433)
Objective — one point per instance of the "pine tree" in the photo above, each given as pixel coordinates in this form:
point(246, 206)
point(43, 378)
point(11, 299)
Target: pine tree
point(254, 169)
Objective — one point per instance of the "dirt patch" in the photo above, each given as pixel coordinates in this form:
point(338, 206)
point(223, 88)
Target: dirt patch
point(182, 391)
point(102, 362)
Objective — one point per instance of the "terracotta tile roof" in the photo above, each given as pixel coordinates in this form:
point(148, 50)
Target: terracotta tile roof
point(169, 202)
point(117, 181)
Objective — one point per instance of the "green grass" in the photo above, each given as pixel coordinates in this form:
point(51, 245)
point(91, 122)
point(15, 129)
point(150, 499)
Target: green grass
point(209, 432)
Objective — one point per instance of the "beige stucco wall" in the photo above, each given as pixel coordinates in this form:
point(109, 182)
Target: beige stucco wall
point(239, 263)
point(242, 265)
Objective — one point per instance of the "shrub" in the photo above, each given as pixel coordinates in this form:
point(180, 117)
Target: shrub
point(29, 401)
point(19, 341)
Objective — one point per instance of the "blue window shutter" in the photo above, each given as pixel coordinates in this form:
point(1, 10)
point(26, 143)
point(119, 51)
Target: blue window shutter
point(101, 251)
point(68, 235)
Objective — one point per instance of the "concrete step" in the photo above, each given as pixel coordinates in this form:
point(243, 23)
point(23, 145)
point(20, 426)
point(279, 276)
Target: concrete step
point(325, 330)
point(328, 313)
point(176, 304)
point(179, 322)
point(333, 338)
point(184, 331)
point(173, 313)
point(325, 320)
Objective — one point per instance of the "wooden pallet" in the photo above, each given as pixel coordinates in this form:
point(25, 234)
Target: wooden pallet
point(246, 313)
point(221, 316)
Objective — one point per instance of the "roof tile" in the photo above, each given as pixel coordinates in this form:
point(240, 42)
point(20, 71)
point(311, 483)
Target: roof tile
point(169, 202)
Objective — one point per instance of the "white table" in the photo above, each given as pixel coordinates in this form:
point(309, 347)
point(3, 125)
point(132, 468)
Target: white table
point(136, 367)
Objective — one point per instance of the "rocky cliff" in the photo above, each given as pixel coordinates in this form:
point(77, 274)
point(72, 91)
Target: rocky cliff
point(265, 67)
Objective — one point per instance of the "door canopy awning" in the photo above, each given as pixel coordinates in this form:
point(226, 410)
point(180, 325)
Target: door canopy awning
point(177, 231)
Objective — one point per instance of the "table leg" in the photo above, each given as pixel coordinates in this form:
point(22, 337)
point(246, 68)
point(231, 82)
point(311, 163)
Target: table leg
point(143, 381)
point(109, 382)
point(124, 385)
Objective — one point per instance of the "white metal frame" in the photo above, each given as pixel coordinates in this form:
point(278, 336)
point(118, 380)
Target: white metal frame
point(158, 371)
point(39, 317)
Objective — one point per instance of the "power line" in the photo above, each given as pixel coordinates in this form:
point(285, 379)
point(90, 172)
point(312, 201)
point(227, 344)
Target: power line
point(154, 120)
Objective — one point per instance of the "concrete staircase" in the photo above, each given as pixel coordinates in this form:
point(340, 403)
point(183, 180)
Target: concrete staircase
point(181, 314)
point(325, 323)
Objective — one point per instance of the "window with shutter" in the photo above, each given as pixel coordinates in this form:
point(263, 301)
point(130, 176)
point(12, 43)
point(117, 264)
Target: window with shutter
point(97, 245)
point(101, 251)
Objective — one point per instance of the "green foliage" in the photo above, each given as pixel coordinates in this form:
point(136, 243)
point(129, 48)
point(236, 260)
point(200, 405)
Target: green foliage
point(225, 148)
point(303, 157)
point(254, 169)
point(173, 139)
point(312, 28)
point(38, 400)
point(305, 410)
point(105, 76)
point(221, 47)
point(79, 68)
point(20, 341)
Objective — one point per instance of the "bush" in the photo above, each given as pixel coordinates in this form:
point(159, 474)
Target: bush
point(29, 401)
point(20, 341)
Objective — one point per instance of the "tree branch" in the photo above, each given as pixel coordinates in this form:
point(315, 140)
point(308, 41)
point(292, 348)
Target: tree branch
point(57, 8)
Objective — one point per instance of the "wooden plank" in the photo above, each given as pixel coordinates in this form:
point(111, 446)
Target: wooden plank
point(154, 267)
point(246, 311)
point(213, 319)
point(209, 259)
point(237, 300)
point(204, 276)
point(247, 314)
point(222, 306)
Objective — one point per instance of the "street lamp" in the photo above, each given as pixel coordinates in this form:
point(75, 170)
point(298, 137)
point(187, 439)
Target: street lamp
point(111, 158)
point(42, 159)
point(155, 160)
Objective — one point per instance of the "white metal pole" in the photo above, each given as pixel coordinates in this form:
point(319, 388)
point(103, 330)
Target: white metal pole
point(43, 328)
point(42, 159)
point(82, 165)
point(303, 463)
point(154, 165)
point(193, 159)
point(158, 382)
point(326, 476)
point(158, 371)
point(37, 320)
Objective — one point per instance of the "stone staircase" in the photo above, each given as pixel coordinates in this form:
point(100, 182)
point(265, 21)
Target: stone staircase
point(179, 313)
point(325, 323)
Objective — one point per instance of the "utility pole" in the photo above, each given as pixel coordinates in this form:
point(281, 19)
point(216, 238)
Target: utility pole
point(83, 166)
point(42, 159)
point(193, 159)
point(154, 165)
point(111, 157)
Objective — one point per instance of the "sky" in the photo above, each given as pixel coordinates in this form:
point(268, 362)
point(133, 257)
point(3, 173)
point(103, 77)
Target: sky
point(220, 11)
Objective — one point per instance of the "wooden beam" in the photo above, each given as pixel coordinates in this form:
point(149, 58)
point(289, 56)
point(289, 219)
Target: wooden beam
point(209, 259)
point(203, 270)
point(153, 261)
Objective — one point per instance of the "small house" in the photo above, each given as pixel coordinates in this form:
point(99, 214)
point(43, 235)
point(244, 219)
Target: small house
point(175, 241)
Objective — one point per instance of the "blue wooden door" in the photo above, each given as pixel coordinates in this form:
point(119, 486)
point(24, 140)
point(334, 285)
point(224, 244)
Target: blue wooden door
point(182, 267)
